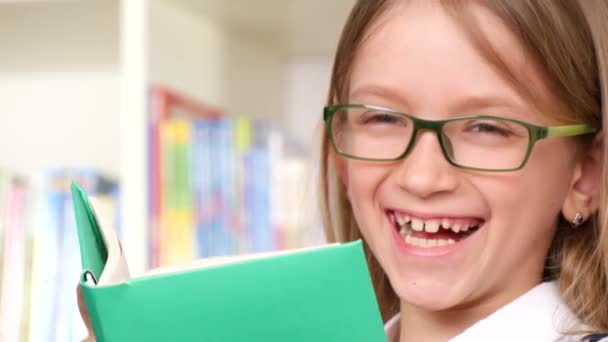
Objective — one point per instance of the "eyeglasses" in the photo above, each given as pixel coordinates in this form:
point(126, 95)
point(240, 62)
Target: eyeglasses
point(481, 143)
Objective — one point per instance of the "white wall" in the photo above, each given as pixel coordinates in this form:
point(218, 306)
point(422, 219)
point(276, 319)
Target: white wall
point(59, 118)
point(239, 73)
point(185, 52)
point(254, 76)
point(60, 78)
point(59, 85)
point(307, 88)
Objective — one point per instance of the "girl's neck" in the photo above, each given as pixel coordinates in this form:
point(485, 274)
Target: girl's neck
point(418, 324)
point(421, 325)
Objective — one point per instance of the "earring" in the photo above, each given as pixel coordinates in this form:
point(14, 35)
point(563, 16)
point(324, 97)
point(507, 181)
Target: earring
point(577, 221)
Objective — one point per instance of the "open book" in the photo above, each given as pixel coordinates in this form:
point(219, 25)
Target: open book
point(316, 294)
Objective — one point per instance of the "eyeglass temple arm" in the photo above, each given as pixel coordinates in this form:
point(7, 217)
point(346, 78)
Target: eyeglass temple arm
point(565, 131)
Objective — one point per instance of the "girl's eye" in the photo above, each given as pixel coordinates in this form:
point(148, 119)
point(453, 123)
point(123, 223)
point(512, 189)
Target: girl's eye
point(382, 118)
point(489, 128)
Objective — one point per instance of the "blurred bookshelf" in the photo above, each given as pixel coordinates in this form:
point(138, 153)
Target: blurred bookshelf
point(194, 120)
point(217, 187)
point(222, 185)
point(39, 253)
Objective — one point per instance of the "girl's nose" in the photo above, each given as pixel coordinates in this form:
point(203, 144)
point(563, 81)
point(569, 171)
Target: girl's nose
point(425, 170)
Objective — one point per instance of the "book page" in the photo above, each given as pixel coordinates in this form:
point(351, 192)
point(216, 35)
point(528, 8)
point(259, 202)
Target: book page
point(116, 269)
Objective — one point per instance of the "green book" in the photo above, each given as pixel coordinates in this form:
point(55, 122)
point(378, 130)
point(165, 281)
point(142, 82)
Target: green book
point(316, 294)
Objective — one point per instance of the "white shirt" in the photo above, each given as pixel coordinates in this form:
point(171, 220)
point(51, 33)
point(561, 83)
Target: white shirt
point(538, 315)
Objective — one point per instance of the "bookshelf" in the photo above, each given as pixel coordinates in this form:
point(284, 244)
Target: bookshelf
point(239, 70)
point(77, 75)
point(75, 79)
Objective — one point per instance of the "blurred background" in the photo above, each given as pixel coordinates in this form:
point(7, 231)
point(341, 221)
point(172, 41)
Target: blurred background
point(195, 122)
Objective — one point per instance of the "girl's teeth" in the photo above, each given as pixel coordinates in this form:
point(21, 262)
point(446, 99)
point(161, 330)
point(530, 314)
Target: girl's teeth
point(446, 224)
point(400, 220)
point(406, 223)
point(417, 225)
point(427, 243)
point(431, 226)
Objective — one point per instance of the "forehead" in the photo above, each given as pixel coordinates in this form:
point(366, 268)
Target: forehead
point(417, 57)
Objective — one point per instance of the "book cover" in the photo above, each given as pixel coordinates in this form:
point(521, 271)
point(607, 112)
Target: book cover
point(319, 294)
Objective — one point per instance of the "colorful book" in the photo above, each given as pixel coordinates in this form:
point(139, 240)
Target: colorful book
point(47, 247)
point(11, 297)
point(200, 177)
point(179, 230)
point(316, 294)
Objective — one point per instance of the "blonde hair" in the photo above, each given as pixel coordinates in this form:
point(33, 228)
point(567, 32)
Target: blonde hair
point(568, 42)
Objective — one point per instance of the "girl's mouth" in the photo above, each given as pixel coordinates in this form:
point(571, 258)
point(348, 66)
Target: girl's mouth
point(434, 232)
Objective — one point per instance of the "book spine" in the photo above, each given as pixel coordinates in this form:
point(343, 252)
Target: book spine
point(43, 265)
point(214, 189)
point(182, 233)
point(259, 201)
point(200, 175)
point(228, 188)
point(4, 179)
point(156, 103)
point(167, 182)
point(11, 298)
point(277, 208)
point(242, 140)
point(46, 261)
point(29, 227)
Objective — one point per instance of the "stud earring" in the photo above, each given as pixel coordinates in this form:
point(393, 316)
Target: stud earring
point(577, 221)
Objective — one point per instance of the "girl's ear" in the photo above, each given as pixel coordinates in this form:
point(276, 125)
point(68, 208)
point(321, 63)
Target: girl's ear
point(584, 194)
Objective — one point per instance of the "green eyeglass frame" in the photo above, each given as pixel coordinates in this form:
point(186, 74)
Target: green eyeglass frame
point(536, 133)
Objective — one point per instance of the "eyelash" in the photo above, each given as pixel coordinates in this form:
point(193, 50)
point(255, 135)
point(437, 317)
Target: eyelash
point(489, 128)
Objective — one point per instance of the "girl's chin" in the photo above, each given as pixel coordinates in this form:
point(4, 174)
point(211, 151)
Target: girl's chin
point(429, 303)
point(429, 297)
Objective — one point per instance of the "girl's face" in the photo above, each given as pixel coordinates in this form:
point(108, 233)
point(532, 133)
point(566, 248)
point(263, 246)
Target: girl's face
point(417, 60)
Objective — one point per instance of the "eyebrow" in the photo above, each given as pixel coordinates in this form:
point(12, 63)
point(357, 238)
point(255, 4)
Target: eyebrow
point(475, 102)
point(380, 92)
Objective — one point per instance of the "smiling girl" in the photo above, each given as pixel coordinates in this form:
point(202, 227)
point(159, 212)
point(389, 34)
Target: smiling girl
point(464, 144)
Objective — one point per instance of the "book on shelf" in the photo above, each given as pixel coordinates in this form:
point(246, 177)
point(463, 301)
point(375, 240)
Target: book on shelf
point(316, 294)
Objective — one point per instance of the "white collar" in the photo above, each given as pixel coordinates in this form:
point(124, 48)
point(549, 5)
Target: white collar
point(538, 315)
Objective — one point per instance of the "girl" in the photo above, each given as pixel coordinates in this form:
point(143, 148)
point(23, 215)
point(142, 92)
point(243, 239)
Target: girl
point(464, 144)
